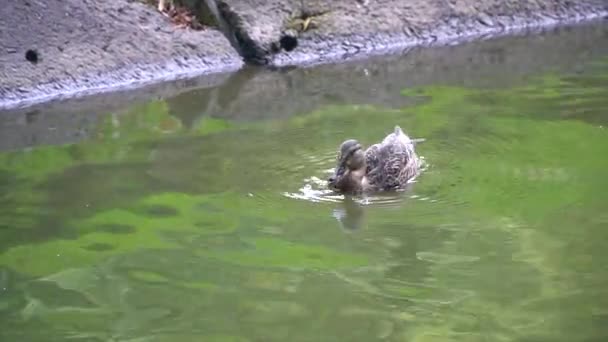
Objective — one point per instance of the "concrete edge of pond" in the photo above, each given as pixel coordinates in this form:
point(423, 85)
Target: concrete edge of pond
point(295, 32)
point(57, 49)
point(54, 49)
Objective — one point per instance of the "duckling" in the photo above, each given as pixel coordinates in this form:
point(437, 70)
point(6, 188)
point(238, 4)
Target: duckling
point(385, 166)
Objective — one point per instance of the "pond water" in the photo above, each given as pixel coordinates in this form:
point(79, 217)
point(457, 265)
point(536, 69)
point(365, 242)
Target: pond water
point(157, 226)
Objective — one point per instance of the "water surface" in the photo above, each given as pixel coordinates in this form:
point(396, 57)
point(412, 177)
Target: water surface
point(156, 227)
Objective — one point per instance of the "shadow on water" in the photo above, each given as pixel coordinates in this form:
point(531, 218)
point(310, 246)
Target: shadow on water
point(203, 214)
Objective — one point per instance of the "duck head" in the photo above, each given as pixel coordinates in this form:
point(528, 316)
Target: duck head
point(349, 176)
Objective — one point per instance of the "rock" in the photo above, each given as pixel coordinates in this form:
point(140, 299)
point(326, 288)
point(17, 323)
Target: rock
point(61, 48)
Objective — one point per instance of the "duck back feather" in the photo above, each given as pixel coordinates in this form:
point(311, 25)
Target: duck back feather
point(391, 163)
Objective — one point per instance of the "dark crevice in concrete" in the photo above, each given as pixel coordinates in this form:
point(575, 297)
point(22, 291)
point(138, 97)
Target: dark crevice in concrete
point(31, 56)
point(288, 43)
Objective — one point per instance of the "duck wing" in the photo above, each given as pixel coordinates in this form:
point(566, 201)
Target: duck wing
point(392, 163)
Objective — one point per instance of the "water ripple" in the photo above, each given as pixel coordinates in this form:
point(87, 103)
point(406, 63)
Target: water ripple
point(315, 189)
point(438, 258)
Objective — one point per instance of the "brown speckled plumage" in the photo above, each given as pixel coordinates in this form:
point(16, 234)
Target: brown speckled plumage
point(389, 165)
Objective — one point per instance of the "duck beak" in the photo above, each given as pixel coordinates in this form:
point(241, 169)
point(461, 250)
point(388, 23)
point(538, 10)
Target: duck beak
point(331, 181)
point(337, 175)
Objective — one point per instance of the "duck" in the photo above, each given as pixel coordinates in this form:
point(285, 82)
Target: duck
point(385, 166)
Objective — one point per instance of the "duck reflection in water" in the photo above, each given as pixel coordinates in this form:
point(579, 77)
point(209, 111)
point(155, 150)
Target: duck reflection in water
point(351, 214)
point(352, 211)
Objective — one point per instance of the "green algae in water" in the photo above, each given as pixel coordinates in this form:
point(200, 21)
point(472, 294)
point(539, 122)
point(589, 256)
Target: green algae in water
point(505, 226)
point(267, 252)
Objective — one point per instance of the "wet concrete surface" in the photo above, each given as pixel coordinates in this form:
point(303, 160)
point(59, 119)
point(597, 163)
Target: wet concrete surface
point(259, 94)
point(59, 49)
point(53, 49)
point(294, 32)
